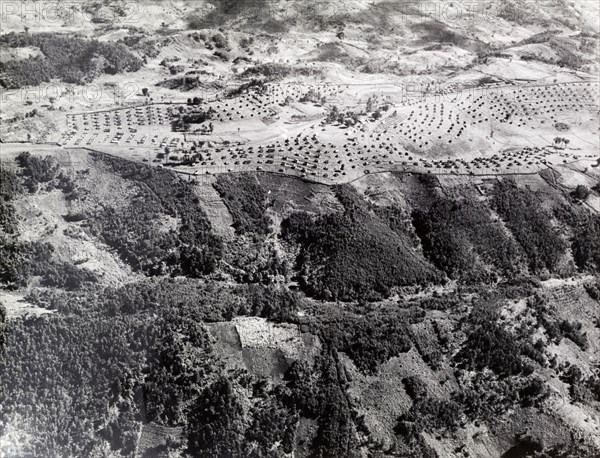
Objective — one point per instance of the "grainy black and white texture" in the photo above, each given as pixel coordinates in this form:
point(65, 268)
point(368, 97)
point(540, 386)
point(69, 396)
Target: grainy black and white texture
point(293, 228)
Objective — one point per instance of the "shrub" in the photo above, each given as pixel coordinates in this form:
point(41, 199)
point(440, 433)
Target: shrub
point(581, 192)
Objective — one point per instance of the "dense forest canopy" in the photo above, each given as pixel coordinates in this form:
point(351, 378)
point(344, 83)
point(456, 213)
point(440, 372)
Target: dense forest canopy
point(106, 361)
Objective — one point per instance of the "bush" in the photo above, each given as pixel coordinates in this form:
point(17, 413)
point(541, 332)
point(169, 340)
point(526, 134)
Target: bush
point(220, 41)
point(581, 192)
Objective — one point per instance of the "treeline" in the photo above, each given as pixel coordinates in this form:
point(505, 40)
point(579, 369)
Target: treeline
point(273, 71)
point(210, 301)
point(354, 253)
point(70, 59)
point(192, 249)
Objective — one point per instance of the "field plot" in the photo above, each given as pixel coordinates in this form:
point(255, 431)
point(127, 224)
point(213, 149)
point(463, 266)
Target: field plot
point(286, 128)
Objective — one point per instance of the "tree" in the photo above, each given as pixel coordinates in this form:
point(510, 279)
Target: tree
point(370, 105)
point(334, 114)
point(145, 92)
point(581, 192)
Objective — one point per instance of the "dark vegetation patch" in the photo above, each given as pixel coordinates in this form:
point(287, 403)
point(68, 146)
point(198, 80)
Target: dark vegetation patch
point(71, 59)
point(530, 224)
point(369, 339)
point(223, 11)
point(247, 201)
point(567, 54)
point(400, 221)
point(438, 32)
point(256, 261)
point(91, 363)
point(182, 83)
point(37, 261)
point(140, 349)
point(582, 388)
point(585, 234)
point(428, 414)
point(318, 391)
point(192, 249)
point(489, 345)
point(51, 361)
point(460, 238)
point(209, 302)
point(217, 422)
point(586, 244)
point(275, 71)
point(10, 247)
point(145, 45)
point(353, 254)
point(22, 261)
point(37, 172)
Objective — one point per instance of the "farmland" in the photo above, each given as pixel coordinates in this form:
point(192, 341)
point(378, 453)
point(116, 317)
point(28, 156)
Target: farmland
point(500, 129)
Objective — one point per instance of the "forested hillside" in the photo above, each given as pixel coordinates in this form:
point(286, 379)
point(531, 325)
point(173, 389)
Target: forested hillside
point(439, 309)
